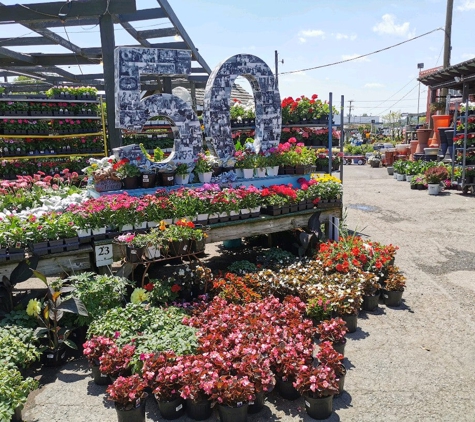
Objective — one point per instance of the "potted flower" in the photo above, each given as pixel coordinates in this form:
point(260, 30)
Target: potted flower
point(434, 176)
point(318, 386)
point(129, 397)
point(49, 313)
point(328, 356)
point(128, 172)
point(14, 391)
point(369, 284)
point(273, 160)
point(182, 174)
point(204, 165)
point(232, 394)
point(116, 361)
point(333, 330)
point(319, 309)
point(93, 350)
point(394, 286)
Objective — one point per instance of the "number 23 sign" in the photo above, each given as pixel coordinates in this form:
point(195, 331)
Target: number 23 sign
point(132, 112)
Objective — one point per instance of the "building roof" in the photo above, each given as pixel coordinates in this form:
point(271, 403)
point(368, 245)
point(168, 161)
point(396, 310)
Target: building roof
point(452, 77)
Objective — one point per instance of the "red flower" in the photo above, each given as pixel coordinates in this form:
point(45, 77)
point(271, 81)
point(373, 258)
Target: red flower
point(149, 287)
point(176, 288)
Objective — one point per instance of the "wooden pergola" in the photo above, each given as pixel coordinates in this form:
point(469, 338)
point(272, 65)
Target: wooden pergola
point(48, 68)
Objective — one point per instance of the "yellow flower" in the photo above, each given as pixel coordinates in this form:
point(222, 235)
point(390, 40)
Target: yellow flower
point(163, 226)
point(34, 308)
point(139, 295)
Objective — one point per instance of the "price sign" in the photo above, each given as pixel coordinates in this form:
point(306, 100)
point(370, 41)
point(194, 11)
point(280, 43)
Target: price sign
point(104, 255)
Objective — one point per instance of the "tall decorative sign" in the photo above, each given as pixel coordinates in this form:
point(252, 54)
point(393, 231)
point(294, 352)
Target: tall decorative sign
point(217, 100)
point(132, 112)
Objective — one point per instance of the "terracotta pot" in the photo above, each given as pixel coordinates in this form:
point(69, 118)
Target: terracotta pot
point(423, 139)
point(440, 120)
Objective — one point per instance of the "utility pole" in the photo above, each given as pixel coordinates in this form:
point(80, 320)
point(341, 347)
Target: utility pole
point(277, 68)
point(349, 112)
point(447, 38)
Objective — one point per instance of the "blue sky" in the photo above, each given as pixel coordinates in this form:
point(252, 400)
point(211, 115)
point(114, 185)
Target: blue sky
point(309, 33)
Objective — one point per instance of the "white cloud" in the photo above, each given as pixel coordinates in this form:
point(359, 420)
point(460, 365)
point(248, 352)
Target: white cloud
point(352, 56)
point(311, 33)
point(467, 5)
point(340, 36)
point(468, 56)
point(374, 85)
point(389, 26)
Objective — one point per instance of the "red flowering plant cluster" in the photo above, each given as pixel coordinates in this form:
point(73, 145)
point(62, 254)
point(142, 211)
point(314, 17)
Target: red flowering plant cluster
point(279, 195)
point(333, 330)
point(127, 392)
point(116, 361)
point(316, 382)
point(328, 356)
point(96, 347)
point(271, 333)
point(304, 109)
point(310, 189)
point(354, 252)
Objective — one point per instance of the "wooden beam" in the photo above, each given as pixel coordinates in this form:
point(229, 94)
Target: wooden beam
point(5, 52)
point(25, 41)
point(158, 33)
point(71, 10)
point(266, 224)
point(177, 24)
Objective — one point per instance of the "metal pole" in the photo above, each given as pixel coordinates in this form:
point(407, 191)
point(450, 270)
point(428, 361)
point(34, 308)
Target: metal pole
point(465, 133)
point(276, 69)
point(447, 39)
point(342, 134)
point(452, 155)
point(330, 132)
point(418, 102)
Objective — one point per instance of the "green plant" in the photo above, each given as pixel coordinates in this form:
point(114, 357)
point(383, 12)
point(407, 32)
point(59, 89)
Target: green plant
point(242, 267)
point(52, 309)
point(182, 169)
point(128, 170)
point(400, 166)
point(18, 346)
point(98, 293)
point(319, 308)
point(436, 174)
point(14, 391)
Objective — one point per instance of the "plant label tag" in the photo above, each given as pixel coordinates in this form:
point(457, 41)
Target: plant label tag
point(179, 407)
point(239, 404)
point(104, 255)
point(251, 403)
point(104, 375)
point(50, 356)
point(185, 247)
point(145, 178)
point(18, 245)
point(170, 178)
point(307, 403)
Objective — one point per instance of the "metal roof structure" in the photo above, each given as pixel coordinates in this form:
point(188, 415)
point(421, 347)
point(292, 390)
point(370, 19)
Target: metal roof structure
point(49, 21)
point(458, 77)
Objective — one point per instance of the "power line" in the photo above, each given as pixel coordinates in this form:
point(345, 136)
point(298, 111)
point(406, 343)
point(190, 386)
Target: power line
point(375, 101)
point(397, 92)
point(412, 89)
point(363, 55)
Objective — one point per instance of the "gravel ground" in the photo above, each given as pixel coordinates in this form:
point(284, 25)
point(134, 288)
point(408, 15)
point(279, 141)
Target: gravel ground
point(413, 363)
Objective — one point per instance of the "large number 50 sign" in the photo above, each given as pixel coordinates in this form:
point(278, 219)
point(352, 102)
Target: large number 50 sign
point(132, 112)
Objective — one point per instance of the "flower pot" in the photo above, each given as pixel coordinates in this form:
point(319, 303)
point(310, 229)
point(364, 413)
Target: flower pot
point(255, 212)
point(392, 298)
point(99, 377)
point(131, 182)
point(133, 255)
point(152, 252)
point(319, 408)
point(287, 390)
point(127, 228)
point(213, 218)
point(136, 414)
point(148, 180)
point(289, 170)
point(339, 347)
point(285, 209)
point(258, 404)
point(171, 409)
point(409, 177)
point(167, 178)
point(233, 414)
point(351, 322)
point(83, 232)
point(198, 245)
point(234, 215)
point(140, 226)
point(178, 247)
point(423, 138)
point(245, 214)
point(434, 189)
point(56, 246)
point(440, 120)
point(260, 172)
point(273, 210)
point(182, 179)
point(54, 357)
point(40, 248)
point(199, 411)
point(341, 380)
point(205, 177)
point(271, 172)
point(370, 303)
point(248, 173)
point(71, 244)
